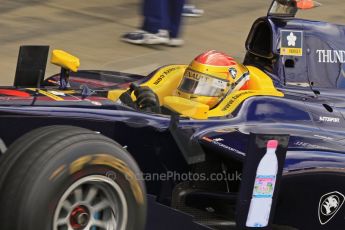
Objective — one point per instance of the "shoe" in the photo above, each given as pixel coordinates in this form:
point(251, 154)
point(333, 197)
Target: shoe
point(145, 38)
point(191, 11)
point(175, 42)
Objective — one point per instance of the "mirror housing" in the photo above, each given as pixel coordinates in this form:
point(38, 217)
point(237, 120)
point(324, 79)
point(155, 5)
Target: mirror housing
point(68, 63)
point(289, 8)
point(307, 4)
point(65, 60)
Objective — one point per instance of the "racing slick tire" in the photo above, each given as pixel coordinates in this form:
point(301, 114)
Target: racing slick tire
point(21, 145)
point(64, 177)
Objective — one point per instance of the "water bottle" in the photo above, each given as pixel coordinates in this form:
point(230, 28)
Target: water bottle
point(261, 202)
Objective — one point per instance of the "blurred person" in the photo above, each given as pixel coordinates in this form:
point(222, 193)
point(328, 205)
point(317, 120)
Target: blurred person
point(161, 25)
point(190, 10)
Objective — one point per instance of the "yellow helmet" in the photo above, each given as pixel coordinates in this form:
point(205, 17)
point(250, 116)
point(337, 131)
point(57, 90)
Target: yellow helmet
point(211, 76)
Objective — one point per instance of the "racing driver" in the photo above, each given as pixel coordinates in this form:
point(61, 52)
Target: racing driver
point(211, 77)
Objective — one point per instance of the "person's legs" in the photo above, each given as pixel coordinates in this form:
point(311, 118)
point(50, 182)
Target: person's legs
point(175, 12)
point(154, 12)
point(152, 30)
point(162, 20)
point(163, 15)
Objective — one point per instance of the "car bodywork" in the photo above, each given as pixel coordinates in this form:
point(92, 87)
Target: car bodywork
point(308, 104)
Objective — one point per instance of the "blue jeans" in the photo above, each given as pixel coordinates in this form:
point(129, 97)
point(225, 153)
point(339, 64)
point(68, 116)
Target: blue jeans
point(163, 14)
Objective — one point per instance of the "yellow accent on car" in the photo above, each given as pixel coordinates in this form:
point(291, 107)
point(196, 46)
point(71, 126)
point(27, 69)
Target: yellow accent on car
point(67, 91)
point(48, 94)
point(115, 94)
point(230, 103)
point(201, 99)
point(259, 85)
point(164, 82)
point(186, 107)
point(260, 81)
point(65, 60)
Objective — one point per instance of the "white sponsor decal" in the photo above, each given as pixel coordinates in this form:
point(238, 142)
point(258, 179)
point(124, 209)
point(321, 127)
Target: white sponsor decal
point(301, 84)
point(331, 56)
point(309, 145)
point(291, 39)
point(329, 205)
point(96, 103)
point(323, 137)
point(330, 119)
point(57, 93)
point(218, 139)
point(222, 145)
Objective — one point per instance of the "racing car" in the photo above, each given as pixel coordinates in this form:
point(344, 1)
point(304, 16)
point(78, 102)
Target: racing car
point(78, 148)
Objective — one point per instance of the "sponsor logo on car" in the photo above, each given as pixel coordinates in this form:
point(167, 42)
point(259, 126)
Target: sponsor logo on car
point(291, 43)
point(308, 145)
point(234, 98)
point(329, 205)
point(216, 142)
point(330, 119)
point(164, 74)
point(331, 56)
point(233, 72)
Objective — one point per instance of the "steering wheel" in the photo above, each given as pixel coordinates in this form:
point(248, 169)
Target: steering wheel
point(146, 99)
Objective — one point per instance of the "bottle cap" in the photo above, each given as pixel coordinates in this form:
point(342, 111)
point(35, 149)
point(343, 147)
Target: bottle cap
point(272, 144)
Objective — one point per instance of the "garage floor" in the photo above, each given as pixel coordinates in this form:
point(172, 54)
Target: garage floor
point(91, 31)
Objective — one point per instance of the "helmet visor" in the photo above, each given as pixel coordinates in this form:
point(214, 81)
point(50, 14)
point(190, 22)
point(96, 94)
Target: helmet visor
point(201, 84)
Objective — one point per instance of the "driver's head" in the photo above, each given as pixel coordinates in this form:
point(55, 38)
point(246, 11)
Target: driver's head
point(211, 76)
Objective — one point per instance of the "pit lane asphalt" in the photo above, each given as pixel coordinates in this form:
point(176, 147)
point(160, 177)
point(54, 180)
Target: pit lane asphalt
point(91, 30)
